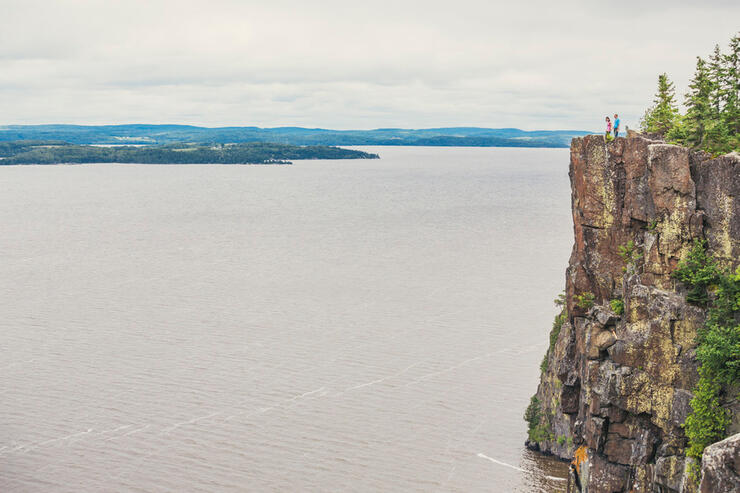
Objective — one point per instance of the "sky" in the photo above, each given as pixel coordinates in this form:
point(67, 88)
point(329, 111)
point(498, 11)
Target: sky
point(348, 64)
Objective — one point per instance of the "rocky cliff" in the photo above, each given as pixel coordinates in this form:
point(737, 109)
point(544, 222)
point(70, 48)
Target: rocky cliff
point(618, 377)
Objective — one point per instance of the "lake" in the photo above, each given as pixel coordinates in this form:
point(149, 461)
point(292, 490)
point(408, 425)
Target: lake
point(354, 325)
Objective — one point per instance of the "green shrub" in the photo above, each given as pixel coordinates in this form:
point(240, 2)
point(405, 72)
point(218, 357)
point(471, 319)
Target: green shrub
point(718, 347)
point(532, 413)
point(585, 300)
point(629, 254)
point(617, 305)
point(718, 344)
point(561, 440)
point(698, 271)
point(538, 428)
point(561, 300)
point(557, 324)
point(719, 352)
point(708, 422)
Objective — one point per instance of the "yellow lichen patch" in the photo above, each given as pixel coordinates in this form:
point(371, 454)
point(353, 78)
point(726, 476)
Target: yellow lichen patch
point(662, 404)
point(639, 393)
point(673, 227)
point(638, 324)
point(660, 358)
point(684, 333)
point(579, 457)
point(607, 199)
point(723, 238)
point(673, 466)
point(597, 154)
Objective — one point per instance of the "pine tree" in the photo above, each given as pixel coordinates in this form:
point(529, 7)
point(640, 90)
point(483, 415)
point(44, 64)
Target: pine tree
point(716, 74)
point(698, 104)
point(715, 125)
point(731, 111)
point(662, 116)
point(712, 118)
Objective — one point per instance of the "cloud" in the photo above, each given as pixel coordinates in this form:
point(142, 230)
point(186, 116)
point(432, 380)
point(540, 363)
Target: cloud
point(347, 64)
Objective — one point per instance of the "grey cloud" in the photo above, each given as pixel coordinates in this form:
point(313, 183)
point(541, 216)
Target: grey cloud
point(347, 64)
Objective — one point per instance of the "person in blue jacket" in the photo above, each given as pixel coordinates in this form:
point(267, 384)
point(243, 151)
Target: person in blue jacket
point(616, 125)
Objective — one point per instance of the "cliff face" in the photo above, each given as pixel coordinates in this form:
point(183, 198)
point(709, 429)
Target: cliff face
point(616, 386)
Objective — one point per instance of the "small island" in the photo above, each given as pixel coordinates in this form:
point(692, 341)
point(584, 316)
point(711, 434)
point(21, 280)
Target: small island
point(58, 152)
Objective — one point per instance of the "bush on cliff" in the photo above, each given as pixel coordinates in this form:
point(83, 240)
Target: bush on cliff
point(719, 339)
point(697, 271)
point(538, 430)
point(631, 255)
point(718, 345)
point(617, 306)
point(708, 421)
point(585, 300)
point(557, 324)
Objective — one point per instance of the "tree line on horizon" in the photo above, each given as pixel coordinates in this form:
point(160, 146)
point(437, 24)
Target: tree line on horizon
point(711, 121)
point(55, 152)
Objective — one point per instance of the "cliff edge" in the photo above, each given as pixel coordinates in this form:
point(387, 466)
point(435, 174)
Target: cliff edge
point(618, 377)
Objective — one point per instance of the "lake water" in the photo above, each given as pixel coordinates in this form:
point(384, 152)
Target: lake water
point(328, 326)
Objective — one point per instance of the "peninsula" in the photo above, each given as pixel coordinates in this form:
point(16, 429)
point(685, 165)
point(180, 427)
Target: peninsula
point(57, 152)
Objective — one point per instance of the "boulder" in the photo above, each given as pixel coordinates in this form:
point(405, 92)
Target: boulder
point(721, 467)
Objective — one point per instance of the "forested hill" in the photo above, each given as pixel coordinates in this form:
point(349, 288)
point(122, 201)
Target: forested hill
point(57, 152)
point(167, 134)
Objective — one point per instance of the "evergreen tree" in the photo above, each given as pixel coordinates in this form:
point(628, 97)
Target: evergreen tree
point(661, 117)
point(716, 74)
point(716, 130)
point(731, 111)
point(712, 119)
point(698, 104)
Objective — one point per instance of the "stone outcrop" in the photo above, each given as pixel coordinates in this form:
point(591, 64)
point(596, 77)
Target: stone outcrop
point(721, 466)
point(617, 386)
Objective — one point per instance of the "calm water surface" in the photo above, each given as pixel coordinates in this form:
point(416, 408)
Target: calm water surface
point(327, 326)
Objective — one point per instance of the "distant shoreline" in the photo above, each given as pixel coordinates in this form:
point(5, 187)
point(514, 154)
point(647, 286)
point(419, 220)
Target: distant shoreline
point(149, 135)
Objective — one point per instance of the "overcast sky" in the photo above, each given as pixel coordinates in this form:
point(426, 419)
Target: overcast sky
point(348, 64)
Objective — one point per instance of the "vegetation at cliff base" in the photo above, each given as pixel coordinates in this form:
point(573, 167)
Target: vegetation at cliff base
point(538, 430)
point(718, 345)
point(712, 118)
point(55, 152)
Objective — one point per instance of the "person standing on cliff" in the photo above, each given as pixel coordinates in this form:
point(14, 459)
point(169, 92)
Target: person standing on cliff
point(608, 129)
point(616, 125)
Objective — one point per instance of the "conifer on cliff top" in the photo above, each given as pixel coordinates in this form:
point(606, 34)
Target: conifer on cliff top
point(712, 118)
